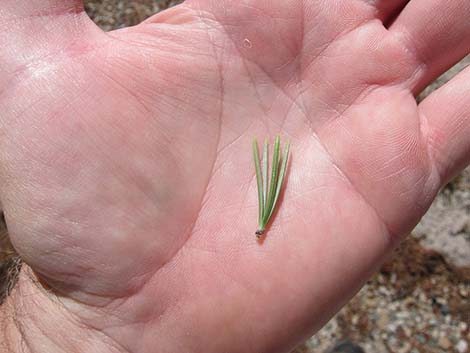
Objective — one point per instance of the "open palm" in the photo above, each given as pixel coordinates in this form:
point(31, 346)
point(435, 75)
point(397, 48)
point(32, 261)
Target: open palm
point(127, 176)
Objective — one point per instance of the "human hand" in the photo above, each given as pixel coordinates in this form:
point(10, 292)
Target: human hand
point(128, 181)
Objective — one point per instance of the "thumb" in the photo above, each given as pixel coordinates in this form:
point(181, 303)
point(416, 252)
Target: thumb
point(35, 29)
point(38, 8)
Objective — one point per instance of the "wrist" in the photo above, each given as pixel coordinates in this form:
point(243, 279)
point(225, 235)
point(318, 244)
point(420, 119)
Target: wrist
point(34, 320)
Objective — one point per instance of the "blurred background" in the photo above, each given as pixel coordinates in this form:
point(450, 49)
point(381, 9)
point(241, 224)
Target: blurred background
point(419, 302)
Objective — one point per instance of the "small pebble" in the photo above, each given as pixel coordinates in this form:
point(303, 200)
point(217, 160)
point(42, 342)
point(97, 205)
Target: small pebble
point(461, 346)
point(463, 291)
point(444, 342)
point(420, 338)
point(463, 326)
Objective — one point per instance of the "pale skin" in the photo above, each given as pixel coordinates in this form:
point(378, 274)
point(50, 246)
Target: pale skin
point(127, 176)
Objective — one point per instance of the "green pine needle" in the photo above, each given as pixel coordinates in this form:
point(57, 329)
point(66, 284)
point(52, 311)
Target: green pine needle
point(264, 165)
point(267, 199)
point(258, 180)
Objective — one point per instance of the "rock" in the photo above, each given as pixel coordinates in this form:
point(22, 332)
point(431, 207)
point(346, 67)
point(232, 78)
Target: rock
point(420, 338)
point(461, 346)
point(444, 343)
point(463, 291)
point(382, 321)
point(463, 326)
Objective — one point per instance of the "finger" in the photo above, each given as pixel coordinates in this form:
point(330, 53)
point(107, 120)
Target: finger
point(436, 33)
point(387, 9)
point(446, 124)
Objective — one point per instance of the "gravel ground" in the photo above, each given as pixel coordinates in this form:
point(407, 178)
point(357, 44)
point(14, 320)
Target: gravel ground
point(420, 300)
point(417, 303)
point(114, 14)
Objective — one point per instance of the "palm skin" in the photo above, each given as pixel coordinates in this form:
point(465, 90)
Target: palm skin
point(128, 180)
